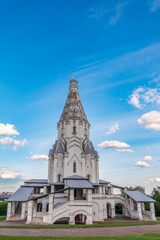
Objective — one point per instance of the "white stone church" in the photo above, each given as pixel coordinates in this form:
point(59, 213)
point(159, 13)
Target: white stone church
point(73, 192)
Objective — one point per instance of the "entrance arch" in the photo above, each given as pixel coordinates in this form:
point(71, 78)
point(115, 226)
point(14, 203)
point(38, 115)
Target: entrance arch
point(109, 210)
point(39, 207)
point(121, 210)
point(80, 219)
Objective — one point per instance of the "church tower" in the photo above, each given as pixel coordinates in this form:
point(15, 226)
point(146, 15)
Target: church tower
point(73, 152)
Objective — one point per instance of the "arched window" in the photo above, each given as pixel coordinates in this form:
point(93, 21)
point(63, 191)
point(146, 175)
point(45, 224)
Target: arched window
point(74, 129)
point(39, 207)
point(59, 177)
point(74, 167)
point(89, 177)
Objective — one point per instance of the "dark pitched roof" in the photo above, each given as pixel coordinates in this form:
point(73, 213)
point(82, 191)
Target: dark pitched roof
point(58, 147)
point(76, 177)
point(88, 148)
point(37, 181)
point(78, 183)
point(21, 195)
point(138, 196)
point(36, 185)
point(103, 181)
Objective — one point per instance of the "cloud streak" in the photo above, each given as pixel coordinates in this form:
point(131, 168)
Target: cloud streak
point(125, 150)
point(156, 179)
point(113, 129)
point(39, 157)
point(118, 13)
point(155, 5)
point(12, 142)
point(7, 173)
point(113, 144)
point(141, 97)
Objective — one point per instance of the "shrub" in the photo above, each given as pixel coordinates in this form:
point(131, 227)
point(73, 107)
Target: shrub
point(3, 208)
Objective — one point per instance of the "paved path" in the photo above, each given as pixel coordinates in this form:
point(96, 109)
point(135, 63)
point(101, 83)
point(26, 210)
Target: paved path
point(114, 231)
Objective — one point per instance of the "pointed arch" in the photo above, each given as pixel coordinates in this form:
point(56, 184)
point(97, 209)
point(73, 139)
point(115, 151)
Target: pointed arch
point(74, 167)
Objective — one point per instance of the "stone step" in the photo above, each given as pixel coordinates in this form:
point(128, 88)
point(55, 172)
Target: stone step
point(146, 217)
point(16, 217)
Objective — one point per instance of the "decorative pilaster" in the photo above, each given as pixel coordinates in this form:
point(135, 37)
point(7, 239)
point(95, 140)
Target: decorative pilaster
point(23, 211)
point(71, 194)
point(139, 210)
point(9, 211)
point(152, 209)
point(50, 209)
point(30, 212)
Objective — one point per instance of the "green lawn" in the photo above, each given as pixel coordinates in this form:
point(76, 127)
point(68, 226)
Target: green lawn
point(153, 236)
point(158, 218)
point(107, 224)
point(2, 218)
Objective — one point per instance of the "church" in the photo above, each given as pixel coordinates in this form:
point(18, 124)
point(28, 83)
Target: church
point(73, 192)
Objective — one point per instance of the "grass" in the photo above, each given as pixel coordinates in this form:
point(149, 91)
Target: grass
point(107, 224)
point(2, 218)
point(153, 236)
point(158, 218)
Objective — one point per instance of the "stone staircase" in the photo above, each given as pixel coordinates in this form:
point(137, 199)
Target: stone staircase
point(37, 220)
point(146, 217)
point(61, 211)
point(16, 217)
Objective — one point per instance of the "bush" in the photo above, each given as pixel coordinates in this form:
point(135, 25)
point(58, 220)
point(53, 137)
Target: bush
point(3, 208)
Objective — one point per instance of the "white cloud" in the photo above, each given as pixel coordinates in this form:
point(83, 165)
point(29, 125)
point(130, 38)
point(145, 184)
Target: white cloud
point(135, 98)
point(141, 164)
point(39, 157)
point(147, 158)
point(8, 130)
point(125, 150)
point(156, 179)
point(150, 120)
point(102, 12)
point(113, 144)
point(155, 5)
point(113, 129)
point(156, 79)
point(119, 10)
point(143, 96)
point(7, 173)
point(12, 142)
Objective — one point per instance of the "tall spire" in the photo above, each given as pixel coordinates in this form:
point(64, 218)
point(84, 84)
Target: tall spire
point(73, 108)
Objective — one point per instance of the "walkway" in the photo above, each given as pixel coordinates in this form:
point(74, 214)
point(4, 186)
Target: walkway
point(114, 231)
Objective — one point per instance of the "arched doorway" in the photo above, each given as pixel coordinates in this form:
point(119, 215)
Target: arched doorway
point(39, 207)
point(109, 210)
point(118, 210)
point(80, 219)
point(121, 211)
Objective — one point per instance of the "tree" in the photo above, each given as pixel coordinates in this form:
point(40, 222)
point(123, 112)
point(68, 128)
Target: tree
point(3, 208)
point(137, 188)
point(156, 197)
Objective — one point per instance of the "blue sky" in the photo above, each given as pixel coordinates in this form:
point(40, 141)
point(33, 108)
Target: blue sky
point(114, 49)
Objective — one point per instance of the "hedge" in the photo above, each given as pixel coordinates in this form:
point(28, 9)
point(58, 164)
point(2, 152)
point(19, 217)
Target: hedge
point(3, 208)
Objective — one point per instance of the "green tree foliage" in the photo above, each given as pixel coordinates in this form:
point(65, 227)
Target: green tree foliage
point(137, 188)
point(118, 208)
point(3, 208)
point(156, 196)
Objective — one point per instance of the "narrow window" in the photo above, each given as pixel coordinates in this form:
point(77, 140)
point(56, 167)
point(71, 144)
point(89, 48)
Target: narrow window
point(74, 129)
point(89, 177)
point(74, 167)
point(59, 177)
